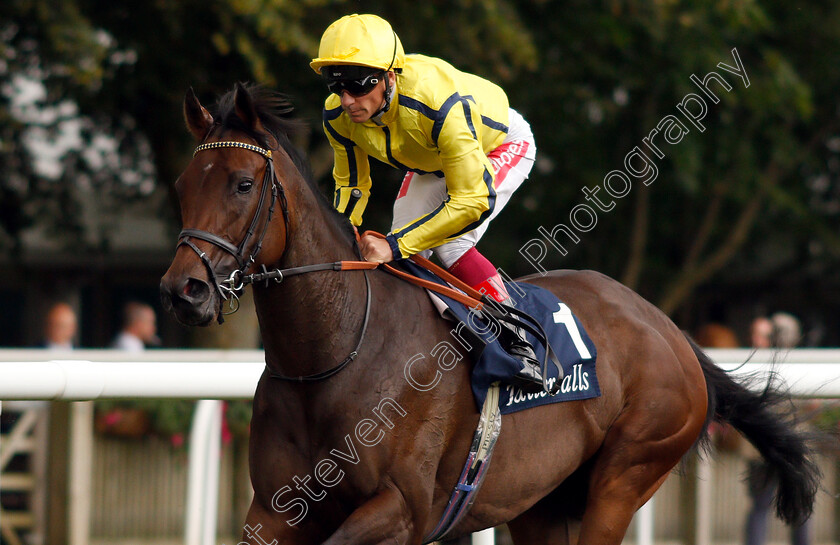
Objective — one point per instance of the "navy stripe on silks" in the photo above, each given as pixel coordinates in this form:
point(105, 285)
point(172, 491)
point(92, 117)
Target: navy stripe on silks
point(441, 116)
point(491, 200)
point(395, 247)
point(348, 144)
point(501, 127)
point(415, 104)
point(391, 158)
point(412, 226)
point(352, 167)
point(394, 162)
point(335, 113)
point(468, 115)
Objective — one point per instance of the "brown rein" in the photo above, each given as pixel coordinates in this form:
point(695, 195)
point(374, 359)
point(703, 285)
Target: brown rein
point(229, 288)
point(464, 294)
point(467, 295)
point(470, 299)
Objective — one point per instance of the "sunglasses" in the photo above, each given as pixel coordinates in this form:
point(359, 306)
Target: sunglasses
point(355, 87)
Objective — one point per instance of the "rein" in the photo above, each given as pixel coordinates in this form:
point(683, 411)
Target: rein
point(230, 288)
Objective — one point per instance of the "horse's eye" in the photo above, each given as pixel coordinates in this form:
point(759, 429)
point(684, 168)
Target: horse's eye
point(245, 186)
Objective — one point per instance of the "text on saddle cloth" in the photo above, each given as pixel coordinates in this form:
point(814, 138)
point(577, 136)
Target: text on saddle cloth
point(569, 340)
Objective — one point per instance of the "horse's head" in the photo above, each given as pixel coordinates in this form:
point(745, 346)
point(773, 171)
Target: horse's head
point(233, 207)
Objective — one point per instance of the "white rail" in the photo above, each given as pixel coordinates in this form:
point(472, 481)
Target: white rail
point(215, 374)
point(207, 375)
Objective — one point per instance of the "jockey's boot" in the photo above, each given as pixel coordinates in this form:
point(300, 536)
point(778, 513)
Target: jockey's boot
point(529, 378)
point(477, 271)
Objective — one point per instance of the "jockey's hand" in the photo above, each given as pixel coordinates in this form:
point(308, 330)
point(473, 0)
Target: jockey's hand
point(375, 250)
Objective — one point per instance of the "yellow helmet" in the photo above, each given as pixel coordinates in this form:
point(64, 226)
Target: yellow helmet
point(362, 40)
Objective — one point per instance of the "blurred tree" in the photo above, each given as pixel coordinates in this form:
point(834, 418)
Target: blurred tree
point(757, 192)
point(48, 56)
point(610, 71)
point(93, 74)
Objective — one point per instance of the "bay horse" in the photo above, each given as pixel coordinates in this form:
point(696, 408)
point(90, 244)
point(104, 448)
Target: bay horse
point(363, 456)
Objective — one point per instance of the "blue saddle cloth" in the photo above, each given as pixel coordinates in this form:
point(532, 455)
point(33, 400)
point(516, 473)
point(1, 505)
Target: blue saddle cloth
point(565, 333)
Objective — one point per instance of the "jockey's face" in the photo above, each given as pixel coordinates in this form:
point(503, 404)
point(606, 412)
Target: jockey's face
point(362, 108)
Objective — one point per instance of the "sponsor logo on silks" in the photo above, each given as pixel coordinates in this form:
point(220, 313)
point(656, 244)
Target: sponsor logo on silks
point(578, 381)
point(511, 152)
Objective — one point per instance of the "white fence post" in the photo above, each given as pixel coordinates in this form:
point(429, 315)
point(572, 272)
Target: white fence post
point(203, 477)
point(1, 479)
point(211, 475)
point(484, 537)
point(81, 472)
point(703, 529)
point(644, 524)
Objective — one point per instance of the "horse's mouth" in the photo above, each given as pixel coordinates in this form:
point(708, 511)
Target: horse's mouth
point(188, 309)
point(194, 319)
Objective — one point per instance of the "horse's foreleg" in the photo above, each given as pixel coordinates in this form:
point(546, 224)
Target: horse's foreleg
point(263, 527)
point(383, 519)
point(544, 524)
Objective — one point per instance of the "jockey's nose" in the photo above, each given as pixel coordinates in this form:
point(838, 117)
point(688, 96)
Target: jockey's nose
point(347, 99)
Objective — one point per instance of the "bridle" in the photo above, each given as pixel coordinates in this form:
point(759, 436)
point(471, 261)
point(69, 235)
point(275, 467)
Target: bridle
point(232, 285)
point(230, 288)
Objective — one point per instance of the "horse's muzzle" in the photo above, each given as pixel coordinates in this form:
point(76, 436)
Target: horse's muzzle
point(191, 300)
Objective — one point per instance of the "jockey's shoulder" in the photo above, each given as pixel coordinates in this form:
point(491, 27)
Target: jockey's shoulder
point(433, 82)
point(428, 79)
point(332, 106)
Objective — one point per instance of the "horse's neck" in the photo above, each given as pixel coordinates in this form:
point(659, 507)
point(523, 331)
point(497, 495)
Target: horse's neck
point(310, 322)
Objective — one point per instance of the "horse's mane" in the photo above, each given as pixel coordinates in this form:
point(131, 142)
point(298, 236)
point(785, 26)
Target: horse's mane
point(274, 112)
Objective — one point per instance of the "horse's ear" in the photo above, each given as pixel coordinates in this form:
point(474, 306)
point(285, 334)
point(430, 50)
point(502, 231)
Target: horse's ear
point(197, 117)
point(244, 107)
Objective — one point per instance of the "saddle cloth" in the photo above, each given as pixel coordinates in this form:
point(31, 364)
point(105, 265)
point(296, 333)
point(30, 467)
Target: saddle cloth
point(567, 336)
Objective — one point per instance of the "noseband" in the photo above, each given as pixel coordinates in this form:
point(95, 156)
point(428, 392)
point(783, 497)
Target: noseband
point(227, 288)
point(235, 283)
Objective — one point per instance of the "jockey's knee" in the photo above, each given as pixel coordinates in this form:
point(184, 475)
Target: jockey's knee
point(451, 251)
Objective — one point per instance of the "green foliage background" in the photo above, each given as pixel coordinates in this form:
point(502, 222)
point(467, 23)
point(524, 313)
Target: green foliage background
point(753, 197)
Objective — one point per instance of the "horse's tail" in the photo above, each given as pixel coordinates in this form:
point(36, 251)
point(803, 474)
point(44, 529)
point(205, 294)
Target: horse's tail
point(756, 415)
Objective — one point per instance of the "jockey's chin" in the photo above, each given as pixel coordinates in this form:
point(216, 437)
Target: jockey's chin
point(359, 115)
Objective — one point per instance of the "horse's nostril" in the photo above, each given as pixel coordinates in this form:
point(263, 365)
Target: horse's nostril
point(195, 290)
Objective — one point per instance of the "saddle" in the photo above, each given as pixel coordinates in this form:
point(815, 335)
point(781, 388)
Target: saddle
point(482, 308)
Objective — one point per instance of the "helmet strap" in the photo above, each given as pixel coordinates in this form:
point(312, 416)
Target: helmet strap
point(389, 95)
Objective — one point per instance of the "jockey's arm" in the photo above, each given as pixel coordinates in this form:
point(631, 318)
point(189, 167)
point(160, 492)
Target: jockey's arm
point(350, 171)
point(469, 183)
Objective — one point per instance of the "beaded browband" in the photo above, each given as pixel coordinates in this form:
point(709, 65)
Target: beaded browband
point(213, 145)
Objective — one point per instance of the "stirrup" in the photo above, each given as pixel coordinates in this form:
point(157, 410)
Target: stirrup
point(529, 378)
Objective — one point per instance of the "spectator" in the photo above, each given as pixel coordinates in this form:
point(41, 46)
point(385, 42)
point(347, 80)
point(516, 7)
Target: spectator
point(786, 330)
point(780, 331)
point(60, 328)
point(139, 328)
point(761, 333)
point(714, 335)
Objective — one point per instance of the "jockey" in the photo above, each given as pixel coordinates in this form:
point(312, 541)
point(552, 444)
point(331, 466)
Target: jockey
point(464, 150)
